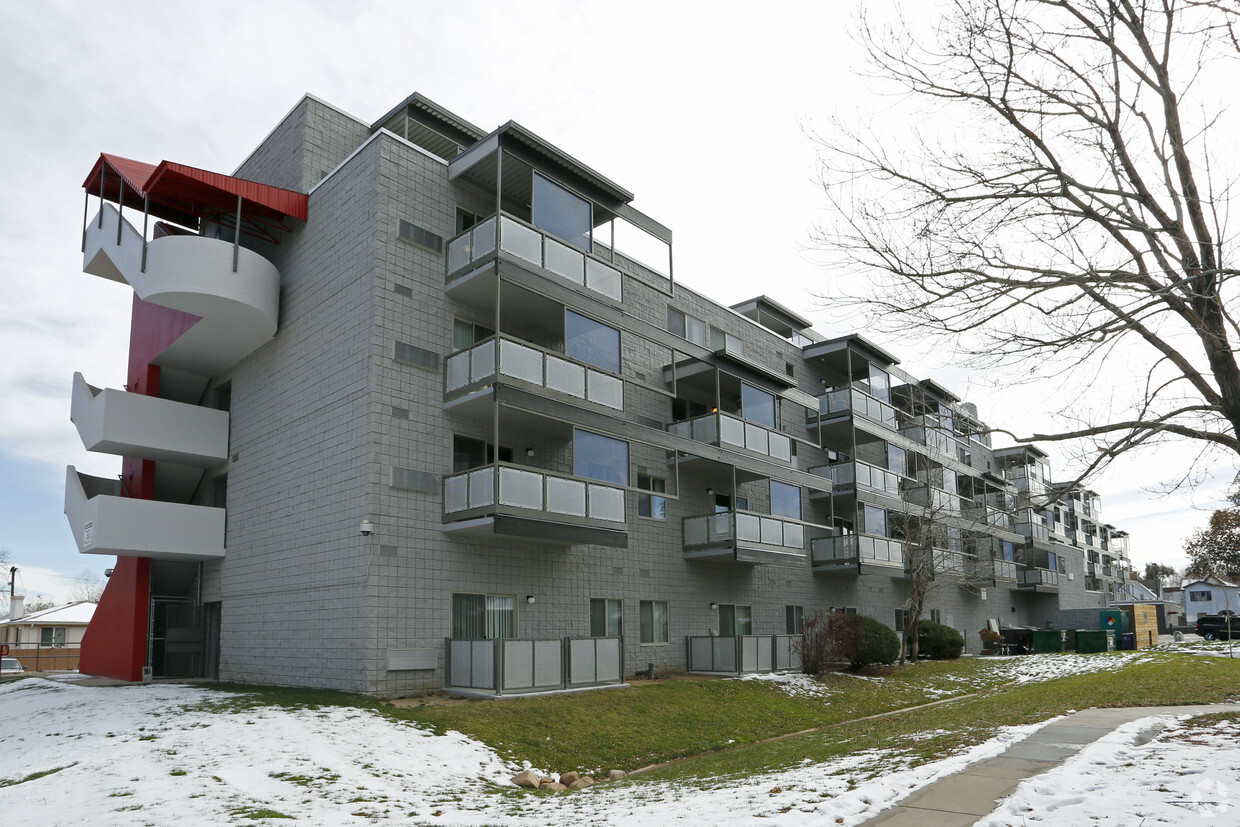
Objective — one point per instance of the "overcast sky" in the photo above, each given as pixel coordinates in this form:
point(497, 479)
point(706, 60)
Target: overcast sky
point(703, 115)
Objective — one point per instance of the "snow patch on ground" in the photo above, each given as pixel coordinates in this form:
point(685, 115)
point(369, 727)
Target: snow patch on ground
point(796, 684)
point(1200, 646)
point(1185, 775)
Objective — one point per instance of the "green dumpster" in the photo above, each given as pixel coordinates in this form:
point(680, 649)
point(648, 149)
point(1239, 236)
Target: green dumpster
point(1090, 641)
point(1116, 620)
point(1049, 640)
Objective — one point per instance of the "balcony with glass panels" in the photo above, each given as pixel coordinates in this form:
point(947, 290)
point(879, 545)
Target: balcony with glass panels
point(516, 501)
point(851, 401)
point(504, 359)
point(725, 431)
point(744, 537)
point(858, 554)
point(1038, 580)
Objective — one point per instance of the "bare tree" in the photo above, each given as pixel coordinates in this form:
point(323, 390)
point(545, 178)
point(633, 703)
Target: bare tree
point(1075, 209)
point(5, 556)
point(87, 586)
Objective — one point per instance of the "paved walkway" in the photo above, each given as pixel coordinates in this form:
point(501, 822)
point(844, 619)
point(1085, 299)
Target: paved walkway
point(961, 799)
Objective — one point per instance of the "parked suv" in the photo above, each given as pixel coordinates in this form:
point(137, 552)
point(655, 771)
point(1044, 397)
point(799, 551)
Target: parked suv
point(11, 666)
point(1217, 626)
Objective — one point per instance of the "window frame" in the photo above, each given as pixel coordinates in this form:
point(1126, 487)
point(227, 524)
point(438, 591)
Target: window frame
point(486, 615)
point(654, 626)
point(608, 604)
point(794, 620)
point(654, 487)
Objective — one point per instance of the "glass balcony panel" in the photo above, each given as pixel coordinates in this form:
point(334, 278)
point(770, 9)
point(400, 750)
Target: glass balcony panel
point(521, 241)
point(781, 447)
point(481, 487)
point(731, 431)
point(520, 362)
point(565, 261)
point(458, 252)
point(456, 493)
point(772, 531)
point(865, 547)
point(749, 528)
point(721, 526)
point(794, 535)
point(684, 429)
point(706, 429)
point(863, 475)
point(606, 503)
point(603, 279)
point(605, 390)
point(521, 489)
point(457, 370)
point(566, 377)
point(696, 529)
point(566, 496)
point(756, 439)
point(484, 239)
point(482, 362)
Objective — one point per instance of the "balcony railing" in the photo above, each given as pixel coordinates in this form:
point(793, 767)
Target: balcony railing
point(524, 489)
point(520, 240)
point(519, 665)
point(742, 654)
point(990, 516)
point(1038, 577)
point(528, 363)
point(1005, 570)
point(844, 400)
point(1037, 530)
point(862, 475)
point(854, 549)
point(744, 528)
point(726, 431)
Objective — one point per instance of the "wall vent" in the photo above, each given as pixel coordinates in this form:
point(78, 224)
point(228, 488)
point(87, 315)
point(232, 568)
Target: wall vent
point(400, 413)
point(402, 290)
point(414, 480)
point(416, 356)
point(421, 236)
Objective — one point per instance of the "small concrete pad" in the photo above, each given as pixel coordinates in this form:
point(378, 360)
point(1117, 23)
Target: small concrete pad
point(922, 818)
point(1007, 767)
point(1070, 734)
point(1056, 753)
point(962, 793)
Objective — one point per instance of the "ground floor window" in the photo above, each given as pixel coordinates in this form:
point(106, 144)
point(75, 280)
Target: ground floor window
point(936, 616)
point(794, 619)
point(901, 619)
point(653, 621)
point(606, 618)
point(735, 620)
point(52, 636)
point(483, 616)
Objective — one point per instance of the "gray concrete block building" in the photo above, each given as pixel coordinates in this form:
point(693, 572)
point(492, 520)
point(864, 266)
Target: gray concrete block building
point(414, 404)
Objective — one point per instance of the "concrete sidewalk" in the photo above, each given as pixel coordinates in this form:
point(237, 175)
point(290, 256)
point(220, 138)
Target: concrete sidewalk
point(961, 799)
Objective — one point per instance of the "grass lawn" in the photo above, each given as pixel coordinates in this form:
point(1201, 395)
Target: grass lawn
point(716, 723)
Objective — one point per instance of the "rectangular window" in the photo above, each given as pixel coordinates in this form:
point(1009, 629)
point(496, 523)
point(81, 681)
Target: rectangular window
point(650, 505)
point(468, 452)
point(794, 620)
point(465, 219)
point(602, 458)
point(1193, 597)
point(561, 213)
point(844, 610)
point(52, 636)
point(483, 616)
point(686, 327)
point(901, 619)
point(880, 384)
point(875, 521)
point(1009, 550)
point(591, 342)
point(936, 616)
point(653, 621)
point(723, 502)
point(897, 460)
point(757, 405)
point(720, 340)
point(606, 618)
point(734, 620)
point(467, 334)
point(785, 500)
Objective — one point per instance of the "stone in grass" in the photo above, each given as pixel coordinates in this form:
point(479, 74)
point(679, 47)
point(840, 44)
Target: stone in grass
point(527, 778)
point(567, 778)
point(554, 786)
point(616, 775)
point(581, 783)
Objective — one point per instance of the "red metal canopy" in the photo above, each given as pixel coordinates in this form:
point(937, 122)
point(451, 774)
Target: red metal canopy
point(185, 194)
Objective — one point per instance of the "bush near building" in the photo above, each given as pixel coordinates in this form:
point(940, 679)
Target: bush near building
point(934, 640)
point(881, 645)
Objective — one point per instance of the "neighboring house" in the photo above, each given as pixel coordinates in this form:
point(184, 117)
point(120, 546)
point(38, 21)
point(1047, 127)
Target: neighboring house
point(1209, 596)
point(48, 639)
point(407, 409)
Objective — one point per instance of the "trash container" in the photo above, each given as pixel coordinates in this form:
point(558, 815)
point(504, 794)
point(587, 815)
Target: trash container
point(1048, 640)
point(1092, 641)
point(1128, 640)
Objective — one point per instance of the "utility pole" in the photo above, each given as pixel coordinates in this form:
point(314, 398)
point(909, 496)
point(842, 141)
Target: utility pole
point(12, 582)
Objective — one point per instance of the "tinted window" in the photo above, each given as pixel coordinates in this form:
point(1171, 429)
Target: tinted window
point(599, 457)
point(785, 500)
point(757, 406)
point(591, 342)
point(560, 213)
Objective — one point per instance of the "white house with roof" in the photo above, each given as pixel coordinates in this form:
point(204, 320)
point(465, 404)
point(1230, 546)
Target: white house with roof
point(1209, 596)
point(47, 639)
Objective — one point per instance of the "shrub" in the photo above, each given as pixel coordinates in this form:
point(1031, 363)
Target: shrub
point(934, 640)
point(881, 645)
point(814, 647)
point(829, 637)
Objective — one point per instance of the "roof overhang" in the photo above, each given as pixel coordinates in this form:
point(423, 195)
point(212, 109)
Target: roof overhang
point(773, 315)
point(858, 343)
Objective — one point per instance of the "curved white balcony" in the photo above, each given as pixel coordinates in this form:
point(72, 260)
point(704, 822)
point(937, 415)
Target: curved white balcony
point(238, 309)
point(104, 521)
point(111, 421)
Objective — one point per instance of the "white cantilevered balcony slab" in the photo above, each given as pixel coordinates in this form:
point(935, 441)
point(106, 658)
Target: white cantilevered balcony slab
point(106, 522)
point(112, 421)
point(238, 310)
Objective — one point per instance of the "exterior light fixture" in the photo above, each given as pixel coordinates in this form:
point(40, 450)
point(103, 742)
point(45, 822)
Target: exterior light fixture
point(710, 492)
point(529, 598)
point(366, 528)
point(529, 452)
point(714, 606)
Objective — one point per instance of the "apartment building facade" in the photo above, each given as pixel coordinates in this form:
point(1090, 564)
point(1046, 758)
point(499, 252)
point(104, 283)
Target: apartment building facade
point(412, 404)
